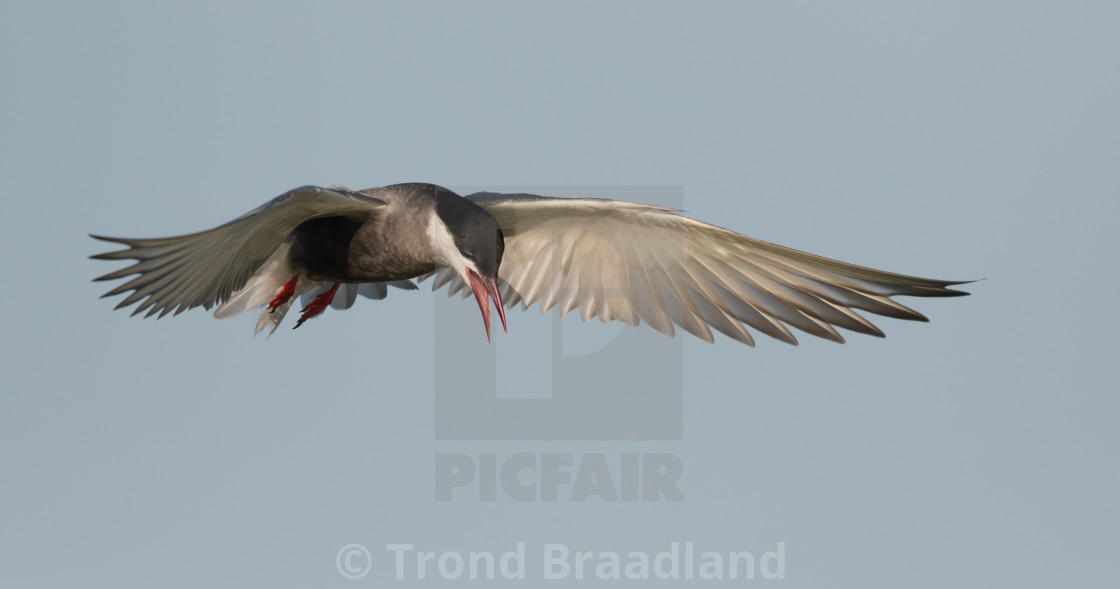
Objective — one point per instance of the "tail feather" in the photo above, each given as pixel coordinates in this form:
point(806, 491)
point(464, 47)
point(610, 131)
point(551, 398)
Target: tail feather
point(261, 287)
point(271, 318)
point(348, 293)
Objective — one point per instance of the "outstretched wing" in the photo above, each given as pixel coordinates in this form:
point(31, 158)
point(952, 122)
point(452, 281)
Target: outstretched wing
point(203, 269)
point(634, 262)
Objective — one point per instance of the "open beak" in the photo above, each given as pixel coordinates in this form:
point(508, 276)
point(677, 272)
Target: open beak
point(484, 289)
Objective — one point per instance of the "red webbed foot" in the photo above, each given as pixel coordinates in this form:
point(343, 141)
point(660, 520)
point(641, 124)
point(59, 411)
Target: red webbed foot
point(284, 295)
point(318, 305)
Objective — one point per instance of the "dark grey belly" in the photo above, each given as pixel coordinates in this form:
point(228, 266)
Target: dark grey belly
point(336, 249)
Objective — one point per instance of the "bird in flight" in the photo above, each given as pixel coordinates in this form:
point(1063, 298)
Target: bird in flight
point(609, 259)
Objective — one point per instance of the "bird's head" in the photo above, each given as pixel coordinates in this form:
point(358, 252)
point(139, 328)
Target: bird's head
point(468, 240)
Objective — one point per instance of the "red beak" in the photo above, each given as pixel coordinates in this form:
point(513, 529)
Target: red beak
point(484, 289)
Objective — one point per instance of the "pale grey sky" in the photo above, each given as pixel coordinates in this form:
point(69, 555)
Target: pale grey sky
point(954, 140)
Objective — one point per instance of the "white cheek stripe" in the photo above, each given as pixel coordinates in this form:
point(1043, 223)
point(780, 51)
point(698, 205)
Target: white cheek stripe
point(446, 252)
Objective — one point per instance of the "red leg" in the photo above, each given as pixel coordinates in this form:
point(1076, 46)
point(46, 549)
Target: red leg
point(317, 305)
point(284, 295)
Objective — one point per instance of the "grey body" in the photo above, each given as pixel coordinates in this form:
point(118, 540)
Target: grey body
point(390, 244)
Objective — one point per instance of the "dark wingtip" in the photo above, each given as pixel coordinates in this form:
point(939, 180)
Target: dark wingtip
point(949, 292)
point(942, 289)
point(110, 255)
point(109, 239)
point(99, 256)
point(869, 328)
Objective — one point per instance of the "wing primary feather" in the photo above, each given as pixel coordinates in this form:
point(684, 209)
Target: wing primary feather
point(203, 269)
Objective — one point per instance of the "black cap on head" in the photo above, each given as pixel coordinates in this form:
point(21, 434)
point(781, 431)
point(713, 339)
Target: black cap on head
point(475, 231)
